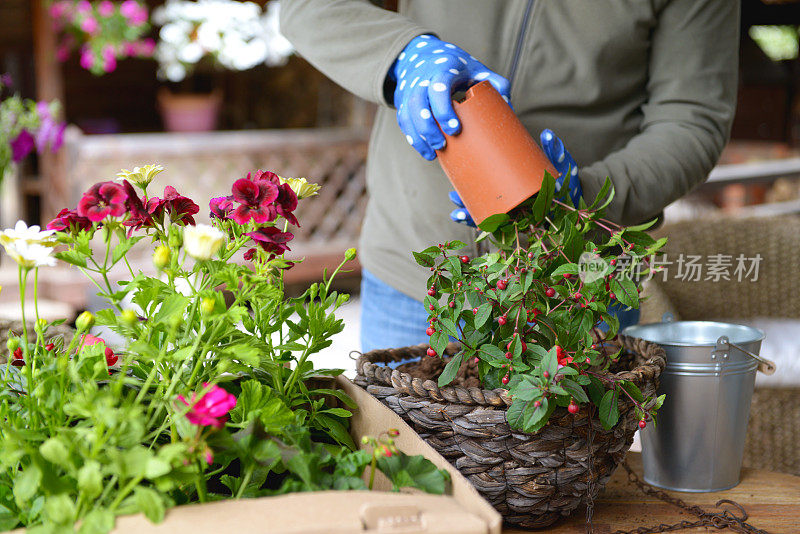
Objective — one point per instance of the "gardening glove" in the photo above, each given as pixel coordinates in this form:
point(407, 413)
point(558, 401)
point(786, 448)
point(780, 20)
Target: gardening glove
point(426, 73)
point(561, 159)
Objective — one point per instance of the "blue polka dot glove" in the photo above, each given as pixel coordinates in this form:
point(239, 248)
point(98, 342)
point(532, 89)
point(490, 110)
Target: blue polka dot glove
point(426, 73)
point(561, 159)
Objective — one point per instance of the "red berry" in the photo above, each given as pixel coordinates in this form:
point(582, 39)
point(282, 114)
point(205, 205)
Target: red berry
point(546, 374)
point(537, 404)
point(505, 380)
point(430, 331)
point(524, 345)
point(594, 346)
point(530, 255)
point(567, 276)
point(476, 360)
point(431, 352)
point(523, 270)
point(509, 355)
point(502, 320)
point(464, 259)
point(502, 284)
point(613, 262)
point(459, 284)
point(432, 292)
point(573, 408)
point(613, 296)
point(111, 358)
point(475, 311)
point(433, 269)
point(431, 307)
point(451, 304)
point(18, 353)
point(550, 292)
point(578, 296)
point(559, 352)
point(642, 424)
point(49, 347)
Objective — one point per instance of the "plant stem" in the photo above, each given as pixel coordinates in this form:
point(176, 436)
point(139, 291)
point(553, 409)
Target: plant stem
point(245, 480)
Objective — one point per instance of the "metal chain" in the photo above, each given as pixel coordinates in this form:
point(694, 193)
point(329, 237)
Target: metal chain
point(718, 520)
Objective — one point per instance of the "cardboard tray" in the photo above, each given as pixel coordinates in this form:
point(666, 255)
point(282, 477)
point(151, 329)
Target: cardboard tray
point(342, 512)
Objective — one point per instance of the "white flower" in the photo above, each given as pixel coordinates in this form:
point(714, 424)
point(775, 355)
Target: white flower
point(30, 255)
point(28, 234)
point(141, 176)
point(202, 241)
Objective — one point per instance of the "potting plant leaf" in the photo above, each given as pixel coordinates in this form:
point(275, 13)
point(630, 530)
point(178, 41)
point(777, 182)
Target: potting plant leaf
point(535, 313)
point(210, 393)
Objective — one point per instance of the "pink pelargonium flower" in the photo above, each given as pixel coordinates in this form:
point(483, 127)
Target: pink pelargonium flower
point(211, 409)
point(109, 58)
point(134, 12)
point(102, 200)
point(90, 25)
point(105, 8)
point(221, 207)
point(271, 240)
point(179, 208)
point(255, 200)
point(69, 221)
point(84, 6)
point(87, 58)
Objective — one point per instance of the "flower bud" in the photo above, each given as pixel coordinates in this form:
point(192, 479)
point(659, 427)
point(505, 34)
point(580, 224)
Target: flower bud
point(364, 439)
point(12, 344)
point(175, 239)
point(41, 324)
point(393, 432)
point(207, 306)
point(84, 321)
point(350, 254)
point(128, 318)
point(161, 257)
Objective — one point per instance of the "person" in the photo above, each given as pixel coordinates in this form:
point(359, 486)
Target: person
point(640, 91)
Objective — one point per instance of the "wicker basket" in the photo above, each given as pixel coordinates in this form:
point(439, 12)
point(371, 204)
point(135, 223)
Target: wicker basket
point(531, 479)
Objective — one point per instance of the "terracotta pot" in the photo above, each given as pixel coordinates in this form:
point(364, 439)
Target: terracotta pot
point(493, 163)
point(189, 112)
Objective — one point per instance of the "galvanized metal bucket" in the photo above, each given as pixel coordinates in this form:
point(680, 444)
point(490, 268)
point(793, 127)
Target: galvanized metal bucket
point(698, 443)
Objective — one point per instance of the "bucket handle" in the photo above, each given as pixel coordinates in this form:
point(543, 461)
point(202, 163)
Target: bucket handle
point(764, 365)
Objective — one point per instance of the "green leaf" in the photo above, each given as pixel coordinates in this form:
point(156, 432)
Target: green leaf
point(641, 227)
point(54, 451)
point(536, 418)
point(149, 502)
point(493, 222)
point(26, 483)
point(544, 198)
point(174, 304)
point(406, 471)
point(448, 326)
point(550, 362)
point(484, 311)
point(336, 430)
point(608, 410)
point(439, 342)
point(451, 369)
point(574, 389)
point(90, 479)
point(426, 260)
point(633, 391)
point(72, 257)
point(567, 268)
point(122, 248)
point(8, 520)
point(607, 187)
point(659, 401)
point(98, 521)
point(596, 390)
point(625, 291)
point(60, 509)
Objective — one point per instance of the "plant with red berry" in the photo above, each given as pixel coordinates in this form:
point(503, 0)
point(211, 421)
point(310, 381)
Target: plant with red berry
point(534, 312)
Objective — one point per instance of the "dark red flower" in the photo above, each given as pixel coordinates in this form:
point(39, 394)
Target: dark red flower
point(286, 203)
point(268, 176)
point(221, 207)
point(255, 200)
point(139, 216)
point(179, 208)
point(69, 221)
point(250, 254)
point(103, 200)
point(272, 240)
point(22, 145)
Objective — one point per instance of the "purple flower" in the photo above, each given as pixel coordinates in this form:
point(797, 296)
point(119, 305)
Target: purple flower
point(22, 145)
point(102, 200)
point(6, 81)
point(51, 132)
point(255, 200)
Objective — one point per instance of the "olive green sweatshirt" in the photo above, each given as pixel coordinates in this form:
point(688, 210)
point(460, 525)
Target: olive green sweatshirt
point(641, 91)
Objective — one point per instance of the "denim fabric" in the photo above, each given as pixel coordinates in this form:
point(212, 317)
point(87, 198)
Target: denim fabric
point(389, 318)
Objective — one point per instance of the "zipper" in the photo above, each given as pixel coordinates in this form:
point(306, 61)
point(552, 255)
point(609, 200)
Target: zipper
point(520, 40)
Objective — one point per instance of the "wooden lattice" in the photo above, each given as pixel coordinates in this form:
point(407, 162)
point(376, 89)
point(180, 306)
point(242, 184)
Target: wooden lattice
point(202, 166)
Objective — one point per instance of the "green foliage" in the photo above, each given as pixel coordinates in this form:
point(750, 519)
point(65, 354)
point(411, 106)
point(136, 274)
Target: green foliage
point(531, 311)
point(85, 438)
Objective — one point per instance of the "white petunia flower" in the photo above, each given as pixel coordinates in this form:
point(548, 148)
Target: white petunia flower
point(28, 234)
point(202, 241)
point(30, 255)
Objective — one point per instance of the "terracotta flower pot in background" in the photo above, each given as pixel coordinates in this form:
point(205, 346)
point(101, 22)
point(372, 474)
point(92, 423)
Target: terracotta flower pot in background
point(493, 163)
point(189, 112)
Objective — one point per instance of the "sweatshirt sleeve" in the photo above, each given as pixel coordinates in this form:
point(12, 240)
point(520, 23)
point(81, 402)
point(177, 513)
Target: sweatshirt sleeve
point(687, 118)
point(351, 41)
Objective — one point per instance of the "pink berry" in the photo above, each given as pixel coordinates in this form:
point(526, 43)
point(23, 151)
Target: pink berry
point(432, 292)
point(475, 311)
point(430, 331)
point(550, 292)
point(502, 320)
point(431, 352)
point(573, 408)
point(546, 374)
point(509, 355)
point(505, 380)
point(642, 424)
point(464, 259)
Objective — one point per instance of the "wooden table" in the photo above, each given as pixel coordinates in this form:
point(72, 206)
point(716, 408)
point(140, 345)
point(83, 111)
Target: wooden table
point(772, 501)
